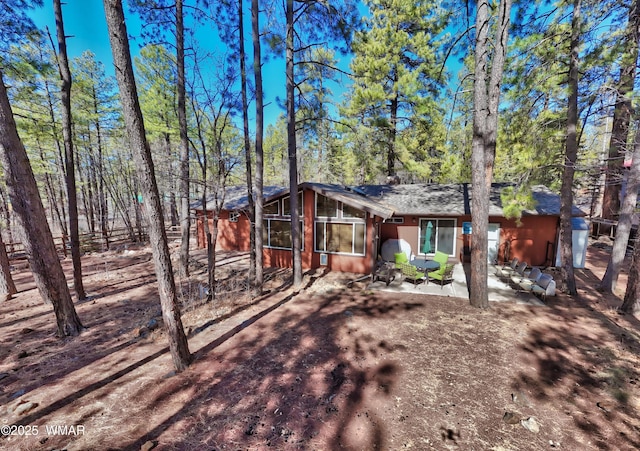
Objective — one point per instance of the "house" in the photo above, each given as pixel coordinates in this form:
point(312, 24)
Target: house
point(344, 227)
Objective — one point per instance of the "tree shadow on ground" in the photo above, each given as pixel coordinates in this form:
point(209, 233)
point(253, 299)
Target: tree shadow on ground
point(277, 384)
point(109, 330)
point(581, 356)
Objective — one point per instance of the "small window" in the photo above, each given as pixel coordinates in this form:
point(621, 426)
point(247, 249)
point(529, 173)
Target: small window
point(233, 216)
point(286, 205)
point(395, 220)
point(351, 212)
point(325, 207)
point(272, 208)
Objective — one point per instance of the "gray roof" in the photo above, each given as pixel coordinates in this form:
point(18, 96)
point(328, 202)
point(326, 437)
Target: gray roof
point(417, 199)
point(454, 199)
point(236, 197)
point(352, 197)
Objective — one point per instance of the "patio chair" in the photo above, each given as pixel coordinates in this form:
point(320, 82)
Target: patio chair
point(545, 286)
point(442, 275)
point(411, 273)
point(400, 258)
point(506, 270)
point(500, 269)
point(526, 284)
point(385, 271)
point(519, 273)
point(442, 258)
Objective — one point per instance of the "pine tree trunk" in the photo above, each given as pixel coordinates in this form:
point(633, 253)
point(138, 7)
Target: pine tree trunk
point(393, 131)
point(259, 176)
point(571, 155)
point(212, 240)
point(173, 207)
point(621, 117)
point(631, 303)
point(61, 209)
point(185, 223)
point(485, 132)
point(118, 37)
point(102, 195)
point(32, 223)
point(7, 287)
point(67, 135)
point(247, 150)
point(478, 289)
point(623, 231)
point(296, 254)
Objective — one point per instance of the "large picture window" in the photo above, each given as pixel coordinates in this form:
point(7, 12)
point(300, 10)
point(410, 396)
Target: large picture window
point(339, 228)
point(276, 233)
point(340, 238)
point(437, 235)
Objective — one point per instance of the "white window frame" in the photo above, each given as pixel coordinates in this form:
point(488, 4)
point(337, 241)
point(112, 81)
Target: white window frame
point(273, 215)
point(322, 221)
point(339, 217)
point(353, 225)
point(268, 225)
point(300, 207)
point(338, 210)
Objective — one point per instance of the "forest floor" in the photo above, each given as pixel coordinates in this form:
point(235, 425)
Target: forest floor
point(327, 368)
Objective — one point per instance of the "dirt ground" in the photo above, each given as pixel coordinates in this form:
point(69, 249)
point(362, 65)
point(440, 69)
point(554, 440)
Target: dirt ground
point(327, 368)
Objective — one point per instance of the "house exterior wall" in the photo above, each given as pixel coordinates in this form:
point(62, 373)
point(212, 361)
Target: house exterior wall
point(232, 236)
point(281, 258)
point(235, 236)
point(351, 263)
point(533, 241)
point(528, 242)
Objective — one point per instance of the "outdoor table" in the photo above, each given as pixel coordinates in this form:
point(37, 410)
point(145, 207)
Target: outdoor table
point(425, 265)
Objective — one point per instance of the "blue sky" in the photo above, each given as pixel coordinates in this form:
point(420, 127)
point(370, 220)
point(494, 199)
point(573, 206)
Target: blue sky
point(85, 24)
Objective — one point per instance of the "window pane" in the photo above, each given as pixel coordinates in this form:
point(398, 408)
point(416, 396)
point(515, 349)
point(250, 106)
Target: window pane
point(360, 238)
point(320, 236)
point(446, 232)
point(339, 238)
point(351, 212)
point(286, 206)
point(280, 234)
point(326, 207)
point(271, 209)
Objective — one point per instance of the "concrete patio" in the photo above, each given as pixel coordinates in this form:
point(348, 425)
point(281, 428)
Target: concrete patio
point(498, 291)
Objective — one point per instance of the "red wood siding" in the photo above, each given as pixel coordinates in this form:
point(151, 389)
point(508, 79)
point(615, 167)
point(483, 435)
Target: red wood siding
point(528, 242)
point(232, 236)
point(235, 236)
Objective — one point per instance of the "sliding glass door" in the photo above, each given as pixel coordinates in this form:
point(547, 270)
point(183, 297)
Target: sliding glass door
point(437, 235)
